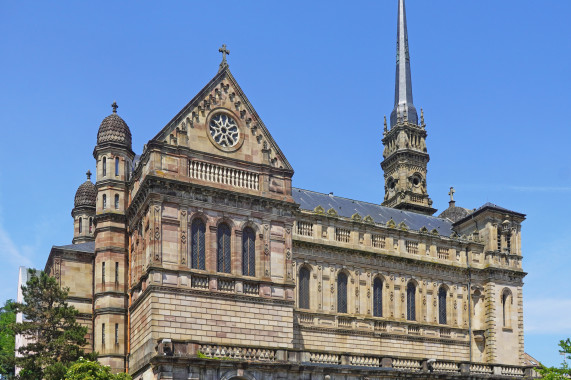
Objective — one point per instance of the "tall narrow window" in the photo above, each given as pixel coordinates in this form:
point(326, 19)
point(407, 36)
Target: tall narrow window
point(342, 293)
point(103, 272)
point(90, 225)
point(442, 305)
point(198, 244)
point(224, 251)
point(104, 166)
point(378, 297)
point(509, 242)
point(116, 166)
point(506, 308)
point(104, 201)
point(411, 302)
point(103, 335)
point(116, 334)
point(116, 272)
point(116, 201)
point(248, 252)
point(80, 223)
point(499, 238)
point(304, 288)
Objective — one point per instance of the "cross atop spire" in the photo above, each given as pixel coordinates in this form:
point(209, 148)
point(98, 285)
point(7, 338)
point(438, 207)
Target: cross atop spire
point(451, 193)
point(114, 106)
point(403, 81)
point(224, 52)
point(88, 174)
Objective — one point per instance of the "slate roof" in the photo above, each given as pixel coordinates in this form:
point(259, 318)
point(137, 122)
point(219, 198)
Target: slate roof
point(88, 247)
point(489, 205)
point(309, 200)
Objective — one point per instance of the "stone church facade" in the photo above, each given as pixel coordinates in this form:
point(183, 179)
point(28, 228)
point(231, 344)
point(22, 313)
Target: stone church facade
point(197, 259)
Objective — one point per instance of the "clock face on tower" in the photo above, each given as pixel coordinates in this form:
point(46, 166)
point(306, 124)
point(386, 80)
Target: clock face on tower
point(224, 130)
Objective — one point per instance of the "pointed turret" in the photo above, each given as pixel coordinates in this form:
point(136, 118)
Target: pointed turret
point(405, 154)
point(404, 108)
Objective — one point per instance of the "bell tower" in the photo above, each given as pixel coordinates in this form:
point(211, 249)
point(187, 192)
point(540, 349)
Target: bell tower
point(405, 157)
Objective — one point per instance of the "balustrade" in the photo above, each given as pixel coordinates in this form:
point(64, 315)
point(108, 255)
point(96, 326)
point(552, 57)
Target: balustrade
point(342, 235)
point(304, 228)
point(199, 282)
point(227, 176)
point(412, 247)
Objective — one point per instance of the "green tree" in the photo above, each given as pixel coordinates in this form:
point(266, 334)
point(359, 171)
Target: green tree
point(55, 337)
point(563, 373)
point(7, 339)
point(85, 369)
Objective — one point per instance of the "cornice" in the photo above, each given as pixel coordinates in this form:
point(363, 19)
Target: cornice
point(187, 192)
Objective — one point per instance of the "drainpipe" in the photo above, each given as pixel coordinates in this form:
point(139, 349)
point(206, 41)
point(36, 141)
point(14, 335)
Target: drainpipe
point(469, 303)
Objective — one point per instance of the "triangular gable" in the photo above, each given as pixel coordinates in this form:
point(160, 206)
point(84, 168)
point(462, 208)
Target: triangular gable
point(190, 127)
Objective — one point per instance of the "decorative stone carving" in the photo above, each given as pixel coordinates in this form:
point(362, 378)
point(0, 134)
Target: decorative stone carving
point(332, 212)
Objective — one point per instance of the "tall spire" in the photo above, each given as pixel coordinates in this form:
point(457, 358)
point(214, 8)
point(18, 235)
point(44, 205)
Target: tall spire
point(404, 108)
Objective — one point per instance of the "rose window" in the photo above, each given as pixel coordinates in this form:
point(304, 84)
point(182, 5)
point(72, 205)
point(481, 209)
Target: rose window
point(224, 130)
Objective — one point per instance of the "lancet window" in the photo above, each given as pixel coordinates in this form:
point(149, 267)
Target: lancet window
point(248, 252)
point(224, 249)
point(411, 302)
point(442, 305)
point(198, 244)
point(378, 297)
point(304, 288)
point(342, 293)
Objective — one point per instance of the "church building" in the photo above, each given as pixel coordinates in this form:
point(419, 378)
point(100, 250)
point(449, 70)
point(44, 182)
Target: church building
point(199, 259)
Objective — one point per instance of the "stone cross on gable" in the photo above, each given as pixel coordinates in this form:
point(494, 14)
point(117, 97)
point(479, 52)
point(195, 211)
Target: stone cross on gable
point(224, 52)
point(451, 193)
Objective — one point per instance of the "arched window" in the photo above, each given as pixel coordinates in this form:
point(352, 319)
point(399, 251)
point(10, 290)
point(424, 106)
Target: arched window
point(224, 251)
point(104, 166)
point(116, 201)
point(442, 305)
point(506, 308)
point(248, 252)
point(116, 166)
point(104, 201)
point(198, 244)
point(378, 297)
point(80, 223)
point(411, 302)
point(304, 288)
point(90, 225)
point(342, 293)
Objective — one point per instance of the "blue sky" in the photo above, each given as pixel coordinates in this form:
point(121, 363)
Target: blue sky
point(492, 76)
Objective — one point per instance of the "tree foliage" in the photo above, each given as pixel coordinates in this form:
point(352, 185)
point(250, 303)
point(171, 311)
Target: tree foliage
point(7, 339)
point(85, 369)
point(552, 373)
point(55, 338)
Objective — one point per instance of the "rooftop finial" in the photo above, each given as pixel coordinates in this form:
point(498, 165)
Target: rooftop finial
point(403, 82)
point(422, 124)
point(114, 106)
point(385, 128)
point(224, 52)
point(451, 193)
point(88, 174)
